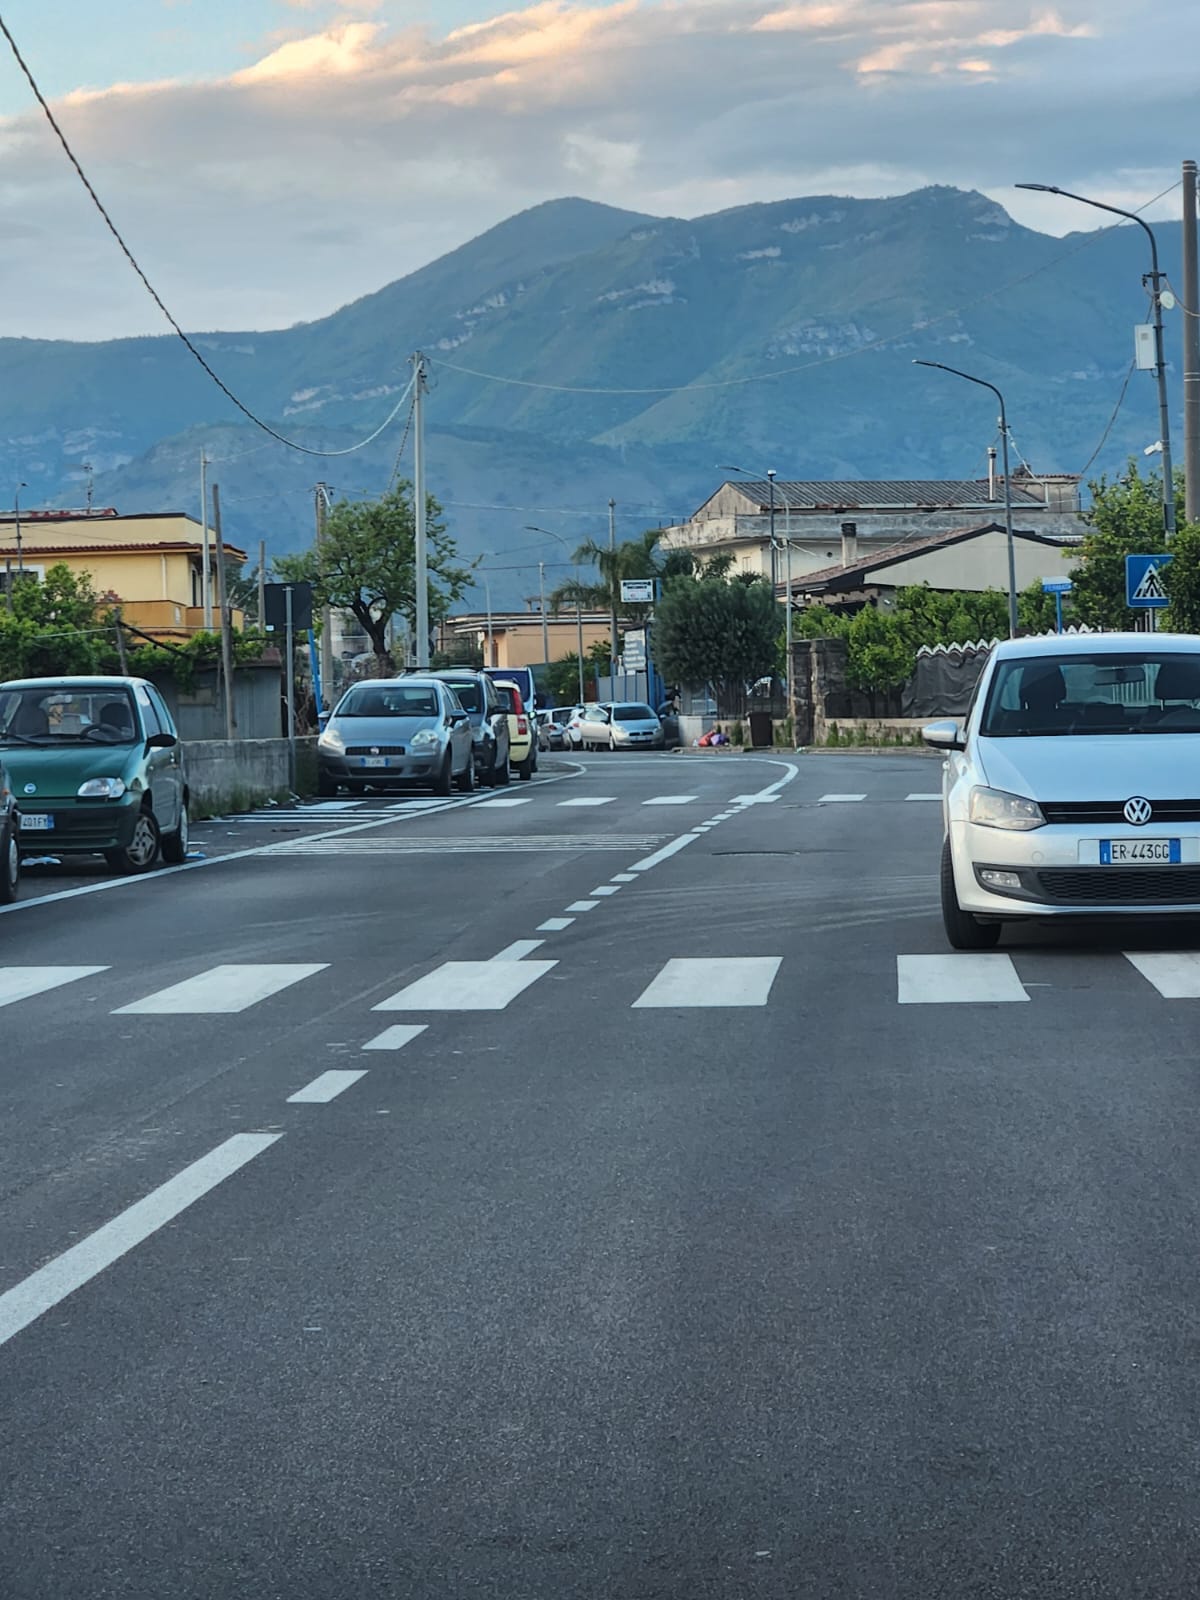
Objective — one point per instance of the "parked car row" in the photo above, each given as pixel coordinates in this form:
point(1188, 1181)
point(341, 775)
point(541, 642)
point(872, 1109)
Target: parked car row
point(616, 725)
point(89, 765)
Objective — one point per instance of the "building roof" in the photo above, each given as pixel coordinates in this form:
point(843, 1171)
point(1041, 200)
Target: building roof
point(500, 620)
point(155, 547)
point(857, 574)
point(907, 494)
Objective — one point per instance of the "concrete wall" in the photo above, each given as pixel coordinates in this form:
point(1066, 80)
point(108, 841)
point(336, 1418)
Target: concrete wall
point(226, 775)
point(199, 711)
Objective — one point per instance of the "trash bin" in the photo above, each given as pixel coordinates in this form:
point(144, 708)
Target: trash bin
point(760, 730)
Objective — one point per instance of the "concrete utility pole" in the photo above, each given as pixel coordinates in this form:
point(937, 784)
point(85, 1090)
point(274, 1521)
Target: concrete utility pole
point(420, 573)
point(612, 550)
point(262, 584)
point(226, 620)
point(545, 620)
point(1191, 349)
point(205, 571)
point(20, 547)
point(322, 506)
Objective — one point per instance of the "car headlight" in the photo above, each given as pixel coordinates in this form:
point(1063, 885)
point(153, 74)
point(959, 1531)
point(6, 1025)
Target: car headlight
point(102, 789)
point(424, 740)
point(993, 808)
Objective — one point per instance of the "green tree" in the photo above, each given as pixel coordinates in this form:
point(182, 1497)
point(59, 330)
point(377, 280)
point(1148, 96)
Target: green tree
point(366, 564)
point(1125, 518)
point(562, 678)
point(707, 631)
point(1181, 576)
point(52, 626)
point(634, 558)
point(880, 654)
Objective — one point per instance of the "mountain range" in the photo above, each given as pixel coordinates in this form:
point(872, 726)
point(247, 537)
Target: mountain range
point(628, 357)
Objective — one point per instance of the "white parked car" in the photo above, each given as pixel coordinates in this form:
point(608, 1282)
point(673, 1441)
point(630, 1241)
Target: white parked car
point(1073, 788)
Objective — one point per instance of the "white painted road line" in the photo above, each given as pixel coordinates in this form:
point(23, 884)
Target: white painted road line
point(26, 1301)
point(325, 1088)
point(504, 800)
point(607, 889)
point(590, 800)
point(19, 983)
point(1175, 974)
point(923, 796)
point(667, 851)
point(555, 924)
point(836, 799)
point(323, 805)
point(735, 981)
point(468, 986)
point(583, 905)
point(518, 950)
point(764, 799)
point(222, 990)
point(671, 800)
point(396, 1037)
point(957, 980)
point(624, 877)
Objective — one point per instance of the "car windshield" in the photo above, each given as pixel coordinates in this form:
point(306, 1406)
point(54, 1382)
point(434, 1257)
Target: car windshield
point(1103, 693)
point(67, 716)
point(632, 714)
point(469, 694)
point(391, 700)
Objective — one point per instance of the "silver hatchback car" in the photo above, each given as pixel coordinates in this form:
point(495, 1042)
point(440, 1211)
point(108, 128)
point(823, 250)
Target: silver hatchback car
point(397, 732)
point(1073, 789)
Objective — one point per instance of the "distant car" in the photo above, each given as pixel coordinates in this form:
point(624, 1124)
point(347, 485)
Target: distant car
point(1071, 788)
point(634, 726)
point(592, 727)
point(10, 848)
point(489, 721)
point(396, 733)
point(552, 728)
point(522, 740)
point(573, 726)
point(96, 766)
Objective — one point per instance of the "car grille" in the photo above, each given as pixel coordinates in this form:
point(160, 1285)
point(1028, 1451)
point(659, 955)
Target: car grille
point(1141, 886)
point(1089, 811)
point(374, 749)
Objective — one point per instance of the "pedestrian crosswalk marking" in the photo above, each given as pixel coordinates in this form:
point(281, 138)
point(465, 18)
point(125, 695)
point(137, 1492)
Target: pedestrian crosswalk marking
point(671, 800)
point(1175, 974)
point(957, 979)
point(606, 889)
point(733, 981)
point(518, 949)
point(326, 1087)
point(555, 924)
point(506, 801)
point(590, 800)
point(223, 990)
point(624, 877)
point(396, 1037)
point(468, 986)
point(583, 905)
point(837, 799)
point(22, 983)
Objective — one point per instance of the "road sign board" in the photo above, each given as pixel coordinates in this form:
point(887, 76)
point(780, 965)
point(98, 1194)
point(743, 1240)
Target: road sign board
point(637, 591)
point(633, 650)
point(1144, 586)
point(1056, 585)
point(275, 595)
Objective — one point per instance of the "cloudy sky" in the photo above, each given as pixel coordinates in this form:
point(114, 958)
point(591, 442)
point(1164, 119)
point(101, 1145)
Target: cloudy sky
point(269, 160)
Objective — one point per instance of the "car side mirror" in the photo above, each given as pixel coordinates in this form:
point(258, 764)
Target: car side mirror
point(456, 717)
point(161, 741)
point(945, 735)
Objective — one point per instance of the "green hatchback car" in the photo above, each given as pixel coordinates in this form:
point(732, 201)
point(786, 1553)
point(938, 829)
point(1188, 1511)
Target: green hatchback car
point(96, 768)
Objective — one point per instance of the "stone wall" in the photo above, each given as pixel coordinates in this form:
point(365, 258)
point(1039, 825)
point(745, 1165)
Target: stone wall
point(227, 775)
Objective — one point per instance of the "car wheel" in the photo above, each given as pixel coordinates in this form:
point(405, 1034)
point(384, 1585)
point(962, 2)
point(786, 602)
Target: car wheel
point(326, 785)
point(442, 784)
point(10, 865)
point(466, 778)
point(502, 773)
point(612, 744)
point(963, 931)
point(141, 853)
point(175, 845)
point(526, 770)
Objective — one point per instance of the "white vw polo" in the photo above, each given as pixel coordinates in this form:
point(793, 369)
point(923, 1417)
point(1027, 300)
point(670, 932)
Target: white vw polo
point(1073, 787)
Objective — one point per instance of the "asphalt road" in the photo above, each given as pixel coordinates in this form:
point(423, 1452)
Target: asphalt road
point(750, 1245)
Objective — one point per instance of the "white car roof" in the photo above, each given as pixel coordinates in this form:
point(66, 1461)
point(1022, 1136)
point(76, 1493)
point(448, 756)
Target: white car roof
point(1066, 644)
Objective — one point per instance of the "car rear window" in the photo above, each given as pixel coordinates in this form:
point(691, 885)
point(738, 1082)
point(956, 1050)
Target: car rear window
point(633, 714)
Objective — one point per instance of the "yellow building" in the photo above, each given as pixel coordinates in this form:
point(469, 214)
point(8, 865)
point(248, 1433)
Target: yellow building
point(152, 562)
point(514, 638)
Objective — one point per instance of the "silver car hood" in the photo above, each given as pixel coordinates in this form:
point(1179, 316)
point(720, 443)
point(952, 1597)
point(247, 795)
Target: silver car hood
point(1160, 766)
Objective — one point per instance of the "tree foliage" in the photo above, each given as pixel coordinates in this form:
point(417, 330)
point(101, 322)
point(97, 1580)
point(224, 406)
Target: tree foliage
point(1124, 518)
point(366, 564)
point(1181, 578)
point(710, 631)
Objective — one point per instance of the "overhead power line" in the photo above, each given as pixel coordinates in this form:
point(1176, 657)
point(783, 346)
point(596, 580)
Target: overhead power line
point(1108, 427)
point(292, 444)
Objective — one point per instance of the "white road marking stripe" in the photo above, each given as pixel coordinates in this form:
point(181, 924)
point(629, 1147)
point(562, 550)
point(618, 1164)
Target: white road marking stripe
point(324, 1088)
point(19, 983)
point(671, 800)
point(506, 800)
point(223, 989)
point(324, 805)
point(555, 924)
point(583, 905)
point(412, 805)
point(590, 800)
point(26, 1301)
point(734, 981)
point(1175, 974)
point(834, 799)
point(667, 851)
point(607, 889)
point(624, 877)
point(957, 980)
point(468, 986)
point(922, 797)
point(766, 798)
point(396, 1037)
point(518, 950)
point(482, 844)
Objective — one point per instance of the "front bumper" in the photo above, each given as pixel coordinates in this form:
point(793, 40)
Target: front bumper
point(412, 767)
point(639, 741)
point(79, 827)
point(1055, 871)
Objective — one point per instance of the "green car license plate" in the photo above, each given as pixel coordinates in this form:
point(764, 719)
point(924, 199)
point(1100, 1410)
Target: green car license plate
point(36, 822)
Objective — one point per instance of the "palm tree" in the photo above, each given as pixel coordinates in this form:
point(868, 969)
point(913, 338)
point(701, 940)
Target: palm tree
point(634, 558)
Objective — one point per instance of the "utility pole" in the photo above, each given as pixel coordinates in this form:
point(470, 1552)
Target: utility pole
point(226, 621)
point(262, 585)
point(487, 589)
point(612, 550)
point(17, 520)
point(774, 570)
point(205, 571)
point(545, 623)
point(420, 575)
point(1191, 349)
point(322, 506)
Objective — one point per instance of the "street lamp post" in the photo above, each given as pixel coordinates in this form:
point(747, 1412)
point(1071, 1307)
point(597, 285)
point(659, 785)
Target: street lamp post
point(1155, 278)
point(17, 521)
point(529, 528)
point(1008, 527)
point(774, 574)
point(542, 604)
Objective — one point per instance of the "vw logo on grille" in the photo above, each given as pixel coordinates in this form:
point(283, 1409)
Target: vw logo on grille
point(1137, 811)
point(374, 749)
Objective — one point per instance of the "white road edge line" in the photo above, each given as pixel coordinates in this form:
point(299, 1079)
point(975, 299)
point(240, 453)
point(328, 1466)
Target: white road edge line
point(326, 1087)
point(555, 924)
point(26, 1301)
point(675, 845)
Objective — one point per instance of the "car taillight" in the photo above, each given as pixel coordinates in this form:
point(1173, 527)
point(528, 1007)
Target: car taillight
point(523, 726)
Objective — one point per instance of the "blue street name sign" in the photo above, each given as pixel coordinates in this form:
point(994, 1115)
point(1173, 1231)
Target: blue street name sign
point(1144, 586)
point(1056, 585)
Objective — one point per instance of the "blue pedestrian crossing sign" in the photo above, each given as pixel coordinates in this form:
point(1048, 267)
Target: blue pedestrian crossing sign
point(1144, 584)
